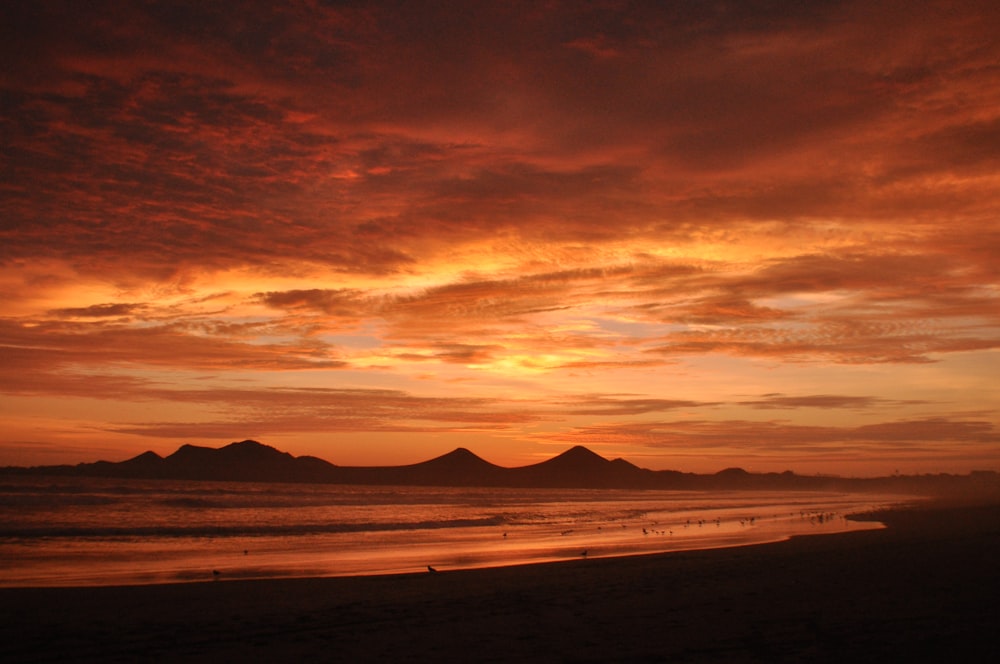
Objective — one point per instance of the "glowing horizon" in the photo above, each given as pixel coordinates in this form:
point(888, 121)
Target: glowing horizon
point(690, 237)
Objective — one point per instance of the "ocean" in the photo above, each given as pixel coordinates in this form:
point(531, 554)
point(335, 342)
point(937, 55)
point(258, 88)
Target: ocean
point(58, 531)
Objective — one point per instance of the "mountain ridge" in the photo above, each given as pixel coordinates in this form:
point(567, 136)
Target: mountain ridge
point(577, 467)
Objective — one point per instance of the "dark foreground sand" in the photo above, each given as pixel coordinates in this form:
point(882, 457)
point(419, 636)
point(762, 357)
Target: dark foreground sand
point(925, 589)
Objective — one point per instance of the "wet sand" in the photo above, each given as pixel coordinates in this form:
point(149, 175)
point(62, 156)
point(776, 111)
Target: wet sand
point(923, 589)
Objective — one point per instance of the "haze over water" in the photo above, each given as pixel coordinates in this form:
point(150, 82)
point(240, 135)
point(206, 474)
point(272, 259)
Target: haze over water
point(90, 531)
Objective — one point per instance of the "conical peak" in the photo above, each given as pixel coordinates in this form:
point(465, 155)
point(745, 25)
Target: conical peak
point(580, 452)
point(460, 455)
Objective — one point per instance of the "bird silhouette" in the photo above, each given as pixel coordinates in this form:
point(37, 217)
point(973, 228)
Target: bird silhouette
point(431, 570)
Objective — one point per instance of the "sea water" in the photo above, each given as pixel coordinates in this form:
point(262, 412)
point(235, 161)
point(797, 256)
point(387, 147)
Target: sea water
point(96, 531)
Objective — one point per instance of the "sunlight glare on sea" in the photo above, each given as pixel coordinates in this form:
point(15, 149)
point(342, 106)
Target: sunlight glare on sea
point(89, 531)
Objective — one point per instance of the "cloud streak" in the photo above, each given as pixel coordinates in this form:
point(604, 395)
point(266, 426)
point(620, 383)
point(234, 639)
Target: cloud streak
point(770, 443)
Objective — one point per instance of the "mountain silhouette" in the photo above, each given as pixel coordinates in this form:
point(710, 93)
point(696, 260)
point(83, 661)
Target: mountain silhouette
point(250, 460)
point(146, 460)
point(576, 459)
point(581, 467)
point(458, 465)
point(241, 462)
point(577, 467)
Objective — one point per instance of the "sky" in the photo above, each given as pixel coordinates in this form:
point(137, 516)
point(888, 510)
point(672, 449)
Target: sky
point(691, 234)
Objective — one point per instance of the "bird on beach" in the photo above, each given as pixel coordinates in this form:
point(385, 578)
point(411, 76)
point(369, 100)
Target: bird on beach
point(216, 573)
point(431, 570)
point(583, 553)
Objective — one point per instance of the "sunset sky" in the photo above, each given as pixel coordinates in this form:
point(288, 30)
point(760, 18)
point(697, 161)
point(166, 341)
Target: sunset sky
point(690, 234)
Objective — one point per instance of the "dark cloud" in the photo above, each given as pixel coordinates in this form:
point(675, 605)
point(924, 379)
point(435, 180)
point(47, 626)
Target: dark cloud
point(186, 134)
point(610, 405)
point(769, 401)
point(817, 346)
point(97, 311)
point(343, 302)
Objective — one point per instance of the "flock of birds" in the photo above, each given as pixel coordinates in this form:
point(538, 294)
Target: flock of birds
point(748, 521)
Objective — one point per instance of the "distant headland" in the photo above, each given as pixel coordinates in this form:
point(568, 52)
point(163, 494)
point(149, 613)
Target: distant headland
point(577, 467)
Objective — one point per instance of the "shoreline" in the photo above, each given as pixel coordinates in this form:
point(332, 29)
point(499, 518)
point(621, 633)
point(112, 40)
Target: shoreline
point(241, 576)
point(921, 589)
point(444, 536)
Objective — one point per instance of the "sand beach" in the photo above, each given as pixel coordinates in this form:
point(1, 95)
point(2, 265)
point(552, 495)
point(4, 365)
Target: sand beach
point(923, 589)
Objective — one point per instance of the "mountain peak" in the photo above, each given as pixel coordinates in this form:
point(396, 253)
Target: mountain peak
point(461, 452)
point(249, 442)
point(147, 459)
point(189, 451)
point(251, 447)
point(458, 456)
point(732, 472)
point(580, 467)
point(460, 466)
point(580, 453)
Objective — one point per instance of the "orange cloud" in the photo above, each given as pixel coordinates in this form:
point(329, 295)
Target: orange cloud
point(53, 346)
